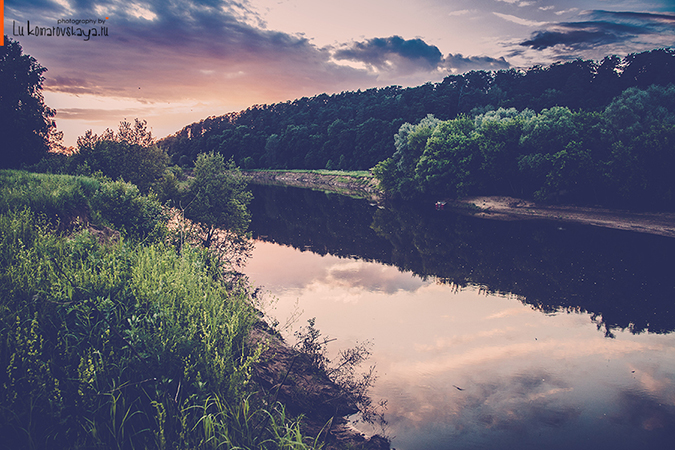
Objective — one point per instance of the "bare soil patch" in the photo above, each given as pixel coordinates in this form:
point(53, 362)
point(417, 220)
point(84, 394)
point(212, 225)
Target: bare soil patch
point(509, 208)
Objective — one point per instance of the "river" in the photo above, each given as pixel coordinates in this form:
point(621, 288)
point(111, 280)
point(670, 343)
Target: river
point(484, 334)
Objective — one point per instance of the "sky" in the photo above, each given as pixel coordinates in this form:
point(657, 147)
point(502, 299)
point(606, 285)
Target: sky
point(176, 62)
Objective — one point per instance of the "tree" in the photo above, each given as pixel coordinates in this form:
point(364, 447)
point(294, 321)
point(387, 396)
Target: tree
point(27, 130)
point(218, 197)
point(129, 154)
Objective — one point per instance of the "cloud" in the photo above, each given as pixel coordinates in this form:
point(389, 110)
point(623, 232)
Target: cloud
point(460, 12)
point(581, 35)
point(639, 410)
point(370, 277)
point(519, 20)
point(395, 54)
point(602, 29)
point(566, 11)
point(534, 401)
point(394, 51)
point(179, 50)
point(518, 3)
point(460, 63)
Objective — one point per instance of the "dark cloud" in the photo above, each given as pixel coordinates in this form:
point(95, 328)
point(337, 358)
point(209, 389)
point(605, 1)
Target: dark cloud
point(383, 52)
point(397, 55)
point(463, 64)
point(638, 409)
point(581, 35)
point(602, 28)
point(93, 115)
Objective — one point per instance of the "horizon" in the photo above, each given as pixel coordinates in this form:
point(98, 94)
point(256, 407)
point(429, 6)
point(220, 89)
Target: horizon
point(173, 65)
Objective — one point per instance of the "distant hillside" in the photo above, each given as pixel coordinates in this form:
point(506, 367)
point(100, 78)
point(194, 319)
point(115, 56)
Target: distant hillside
point(354, 130)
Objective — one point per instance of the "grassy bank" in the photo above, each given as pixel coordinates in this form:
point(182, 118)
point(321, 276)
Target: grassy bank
point(358, 184)
point(120, 343)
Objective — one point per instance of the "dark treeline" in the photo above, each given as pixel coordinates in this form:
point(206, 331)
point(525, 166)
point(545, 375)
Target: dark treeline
point(622, 156)
point(623, 279)
point(353, 130)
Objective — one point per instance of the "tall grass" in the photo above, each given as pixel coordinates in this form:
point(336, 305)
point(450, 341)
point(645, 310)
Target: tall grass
point(53, 195)
point(132, 343)
point(123, 345)
point(68, 199)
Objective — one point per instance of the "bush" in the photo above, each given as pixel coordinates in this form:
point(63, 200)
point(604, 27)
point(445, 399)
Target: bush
point(121, 206)
point(60, 197)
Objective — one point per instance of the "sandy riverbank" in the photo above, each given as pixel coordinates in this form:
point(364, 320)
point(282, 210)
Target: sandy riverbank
point(509, 208)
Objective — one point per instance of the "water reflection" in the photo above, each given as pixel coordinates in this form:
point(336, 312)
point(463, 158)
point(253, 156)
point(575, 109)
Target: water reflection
point(462, 367)
point(623, 279)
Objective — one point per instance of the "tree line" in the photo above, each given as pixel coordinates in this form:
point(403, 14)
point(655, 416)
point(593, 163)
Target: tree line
point(622, 156)
point(353, 130)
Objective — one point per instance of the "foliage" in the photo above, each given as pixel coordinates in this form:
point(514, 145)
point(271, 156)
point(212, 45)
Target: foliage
point(217, 197)
point(59, 197)
point(125, 346)
point(66, 200)
point(352, 130)
point(27, 131)
point(121, 206)
point(343, 371)
point(622, 156)
point(129, 154)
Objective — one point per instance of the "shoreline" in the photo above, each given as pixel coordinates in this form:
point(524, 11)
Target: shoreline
point(487, 207)
point(365, 187)
point(509, 208)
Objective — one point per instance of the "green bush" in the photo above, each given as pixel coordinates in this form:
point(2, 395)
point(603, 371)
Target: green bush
point(63, 198)
point(121, 206)
point(60, 197)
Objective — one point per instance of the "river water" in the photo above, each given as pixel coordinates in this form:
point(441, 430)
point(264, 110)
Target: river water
point(484, 334)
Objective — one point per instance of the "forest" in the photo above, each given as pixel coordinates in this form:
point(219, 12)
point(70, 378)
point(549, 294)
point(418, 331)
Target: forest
point(354, 130)
point(621, 157)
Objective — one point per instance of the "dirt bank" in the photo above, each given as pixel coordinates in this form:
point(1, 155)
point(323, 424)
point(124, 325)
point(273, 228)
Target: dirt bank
point(290, 377)
point(353, 186)
point(509, 208)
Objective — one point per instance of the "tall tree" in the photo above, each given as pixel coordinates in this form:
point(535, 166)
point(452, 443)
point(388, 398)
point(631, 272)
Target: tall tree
point(26, 126)
point(218, 197)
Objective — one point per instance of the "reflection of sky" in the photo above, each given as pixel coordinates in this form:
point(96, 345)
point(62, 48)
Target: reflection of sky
point(469, 370)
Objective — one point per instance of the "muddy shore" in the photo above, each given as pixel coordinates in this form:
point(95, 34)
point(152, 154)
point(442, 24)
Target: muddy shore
point(290, 377)
point(509, 208)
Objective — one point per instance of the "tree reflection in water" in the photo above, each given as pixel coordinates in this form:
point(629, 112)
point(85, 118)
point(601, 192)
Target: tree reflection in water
point(623, 279)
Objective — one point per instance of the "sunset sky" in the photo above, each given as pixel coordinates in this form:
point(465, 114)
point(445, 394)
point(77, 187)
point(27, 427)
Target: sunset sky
point(176, 62)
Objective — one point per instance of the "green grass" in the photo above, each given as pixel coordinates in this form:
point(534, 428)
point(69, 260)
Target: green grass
point(54, 195)
point(96, 339)
point(64, 199)
point(345, 173)
point(126, 344)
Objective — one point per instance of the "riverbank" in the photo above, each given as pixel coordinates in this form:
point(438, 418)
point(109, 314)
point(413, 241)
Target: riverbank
point(353, 184)
point(364, 185)
point(509, 208)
